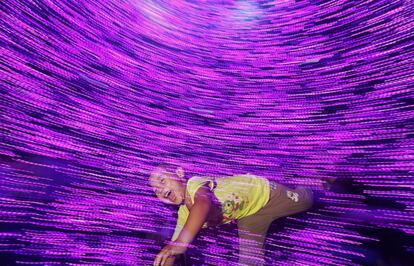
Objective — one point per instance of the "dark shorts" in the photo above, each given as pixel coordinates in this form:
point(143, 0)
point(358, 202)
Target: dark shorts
point(283, 201)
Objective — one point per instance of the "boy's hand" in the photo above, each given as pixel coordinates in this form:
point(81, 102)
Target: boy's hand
point(172, 249)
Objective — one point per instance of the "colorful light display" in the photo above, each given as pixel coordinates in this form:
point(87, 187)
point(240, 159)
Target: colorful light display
point(94, 94)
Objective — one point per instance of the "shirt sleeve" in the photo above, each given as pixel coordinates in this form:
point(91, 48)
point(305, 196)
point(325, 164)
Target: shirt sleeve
point(196, 182)
point(182, 218)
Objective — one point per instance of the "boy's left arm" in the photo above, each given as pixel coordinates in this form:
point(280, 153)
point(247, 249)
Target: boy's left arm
point(196, 218)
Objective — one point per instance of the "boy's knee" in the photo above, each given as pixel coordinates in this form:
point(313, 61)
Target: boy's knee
point(254, 225)
point(307, 198)
point(251, 260)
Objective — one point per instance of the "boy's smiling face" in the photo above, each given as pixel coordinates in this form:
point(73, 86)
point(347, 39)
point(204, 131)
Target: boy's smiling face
point(169, 187)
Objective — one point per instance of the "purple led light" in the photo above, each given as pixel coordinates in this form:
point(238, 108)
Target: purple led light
point(94, 95)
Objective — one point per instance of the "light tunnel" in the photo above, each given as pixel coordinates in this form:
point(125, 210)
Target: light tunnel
point(95, 94)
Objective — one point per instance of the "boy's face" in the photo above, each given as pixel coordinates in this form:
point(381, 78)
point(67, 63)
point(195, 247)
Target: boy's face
point(168, 187)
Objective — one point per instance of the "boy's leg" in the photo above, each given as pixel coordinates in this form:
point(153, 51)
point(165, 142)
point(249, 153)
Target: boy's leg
point(253, 229)
point(252, 234)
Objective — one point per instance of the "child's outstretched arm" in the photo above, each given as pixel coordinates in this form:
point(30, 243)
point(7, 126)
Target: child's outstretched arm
point(196, 219)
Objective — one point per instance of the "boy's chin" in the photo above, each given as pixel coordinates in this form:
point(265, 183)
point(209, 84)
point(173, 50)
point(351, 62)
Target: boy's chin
point(177, 202)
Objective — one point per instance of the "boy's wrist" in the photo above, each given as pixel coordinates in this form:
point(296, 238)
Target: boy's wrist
point(180, 244)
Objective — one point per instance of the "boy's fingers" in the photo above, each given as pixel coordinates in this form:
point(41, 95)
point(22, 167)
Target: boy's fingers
point(165, 256)
point(157, 260)
point(165, 253)
point(164, 259)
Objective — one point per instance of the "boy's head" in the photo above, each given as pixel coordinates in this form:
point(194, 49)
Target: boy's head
point(168, 183)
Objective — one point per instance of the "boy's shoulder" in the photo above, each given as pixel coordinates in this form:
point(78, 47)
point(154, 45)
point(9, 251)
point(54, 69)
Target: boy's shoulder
point(195, 179)
point(196, 182)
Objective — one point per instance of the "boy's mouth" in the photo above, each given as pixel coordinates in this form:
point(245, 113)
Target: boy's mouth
point(170, 195)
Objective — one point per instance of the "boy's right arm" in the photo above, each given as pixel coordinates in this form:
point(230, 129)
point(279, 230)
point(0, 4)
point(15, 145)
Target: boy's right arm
point(195, 220)
point(197, 217)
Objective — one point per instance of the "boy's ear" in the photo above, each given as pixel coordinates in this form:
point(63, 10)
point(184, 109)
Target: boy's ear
point(180, 172)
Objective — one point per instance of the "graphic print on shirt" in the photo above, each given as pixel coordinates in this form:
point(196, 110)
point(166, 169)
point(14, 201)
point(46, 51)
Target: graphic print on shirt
point(232, 205)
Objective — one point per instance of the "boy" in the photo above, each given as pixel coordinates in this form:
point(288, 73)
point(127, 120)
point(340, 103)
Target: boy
point(253, 201)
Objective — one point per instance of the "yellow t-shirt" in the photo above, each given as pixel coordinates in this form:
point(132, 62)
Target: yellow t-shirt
point(239, 196)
